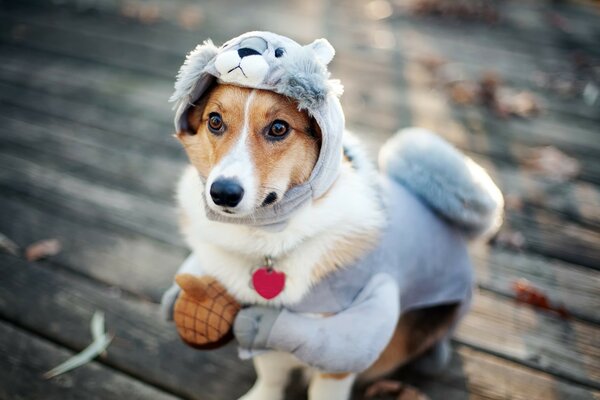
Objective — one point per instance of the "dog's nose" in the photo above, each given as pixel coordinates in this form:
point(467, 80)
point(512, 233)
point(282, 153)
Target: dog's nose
point(226, 192)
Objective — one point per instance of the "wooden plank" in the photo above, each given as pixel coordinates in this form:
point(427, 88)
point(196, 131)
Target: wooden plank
point(92, 203)
point(60, 306)
point(148, 347)
point(522, 29)
point(110, 88)
point(91, 153)
point(121, 161)
point(144, 266)
point(569, 349)
point(23, 180)
point(140, 52)
point(493, 144)
point(574, 287)
point(24, 358)
point(487, 377)
point(544, 233)
point(165, 37)
point(548, 235)
point(149, 133)
point(122, 260)
point(507, 141)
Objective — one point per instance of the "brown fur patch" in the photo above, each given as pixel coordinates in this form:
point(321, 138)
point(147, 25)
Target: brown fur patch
point(345, 251)
point(203, 148)
point(279, 164)
point(292, 159)
point(415, 333)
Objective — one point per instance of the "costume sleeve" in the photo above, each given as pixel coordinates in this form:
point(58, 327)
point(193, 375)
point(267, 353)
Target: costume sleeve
point(349, 341)
point(189, 266)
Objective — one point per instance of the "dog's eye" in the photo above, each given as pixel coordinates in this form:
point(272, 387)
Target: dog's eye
point(278, 129)
point(215, 123)
point(279, 52)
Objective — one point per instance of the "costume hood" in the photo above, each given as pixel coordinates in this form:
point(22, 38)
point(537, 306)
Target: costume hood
point(264, 60)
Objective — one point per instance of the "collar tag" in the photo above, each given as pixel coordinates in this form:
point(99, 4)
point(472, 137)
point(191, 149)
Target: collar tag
point(267, 281)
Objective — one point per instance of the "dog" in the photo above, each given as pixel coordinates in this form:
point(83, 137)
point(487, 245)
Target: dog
point(249, 148)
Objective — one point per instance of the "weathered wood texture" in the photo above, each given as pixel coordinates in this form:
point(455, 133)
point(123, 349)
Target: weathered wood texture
point(148, 348)
point(24, 358)
point(86, 156)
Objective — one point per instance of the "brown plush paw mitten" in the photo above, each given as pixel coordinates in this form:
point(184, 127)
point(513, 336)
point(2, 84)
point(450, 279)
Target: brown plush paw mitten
point(204, 312)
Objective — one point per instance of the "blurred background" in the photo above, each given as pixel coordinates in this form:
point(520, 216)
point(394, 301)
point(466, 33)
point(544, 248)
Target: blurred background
point(88, 166)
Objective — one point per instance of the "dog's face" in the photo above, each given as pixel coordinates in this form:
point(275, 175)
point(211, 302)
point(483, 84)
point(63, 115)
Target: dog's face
point(250, 145)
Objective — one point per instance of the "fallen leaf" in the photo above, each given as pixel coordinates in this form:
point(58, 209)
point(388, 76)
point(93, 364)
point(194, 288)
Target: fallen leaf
point(525, 104)
point(432, 62)
point(526, 293)
point(99, 344)
point(464, 93)
point(522, 104)
point(8, 246)
point(42, 249)
point(553, 163)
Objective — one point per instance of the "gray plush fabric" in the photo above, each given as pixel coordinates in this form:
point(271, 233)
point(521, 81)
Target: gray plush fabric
point(451, 183)
point(300, 72)
point(420, 261)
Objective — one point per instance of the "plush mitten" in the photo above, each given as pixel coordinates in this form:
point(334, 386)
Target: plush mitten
point(349, 341)
point(204, 312)
point(253, 326)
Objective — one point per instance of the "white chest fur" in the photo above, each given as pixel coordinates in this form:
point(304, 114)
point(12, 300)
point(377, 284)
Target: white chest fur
point(232, 252)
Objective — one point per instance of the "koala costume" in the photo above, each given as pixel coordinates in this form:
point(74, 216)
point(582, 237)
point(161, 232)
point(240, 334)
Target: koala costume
point(433, 196)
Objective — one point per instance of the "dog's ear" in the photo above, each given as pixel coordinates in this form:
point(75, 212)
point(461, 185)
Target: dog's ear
point(313, 129)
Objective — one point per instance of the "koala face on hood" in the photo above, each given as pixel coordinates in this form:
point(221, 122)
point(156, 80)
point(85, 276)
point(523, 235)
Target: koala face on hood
point(249, 60)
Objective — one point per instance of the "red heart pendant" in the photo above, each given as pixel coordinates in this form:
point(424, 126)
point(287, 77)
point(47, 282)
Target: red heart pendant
point(267, 282)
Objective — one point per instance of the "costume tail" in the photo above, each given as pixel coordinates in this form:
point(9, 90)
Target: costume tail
point(447, 180)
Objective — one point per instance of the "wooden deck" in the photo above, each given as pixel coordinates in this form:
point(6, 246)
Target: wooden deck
point(86, 156)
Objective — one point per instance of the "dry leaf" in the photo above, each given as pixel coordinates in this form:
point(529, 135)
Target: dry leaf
point(98, 346)
point(522, 104)
point(552, 163)
point(42, 249)
point(526, 293)
point(432, 62)
point(8, 246)
point(464, 93)
point(525, 104)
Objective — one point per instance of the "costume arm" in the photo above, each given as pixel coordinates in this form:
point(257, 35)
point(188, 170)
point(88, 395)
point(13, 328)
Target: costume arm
point(349, 341)
point(189, 266)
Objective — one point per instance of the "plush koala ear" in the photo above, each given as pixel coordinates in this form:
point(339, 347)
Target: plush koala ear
point(323, 49)
point(192, 69)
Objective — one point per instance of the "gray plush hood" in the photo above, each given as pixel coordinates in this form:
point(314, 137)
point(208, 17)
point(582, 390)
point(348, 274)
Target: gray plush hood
point(264, 60)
